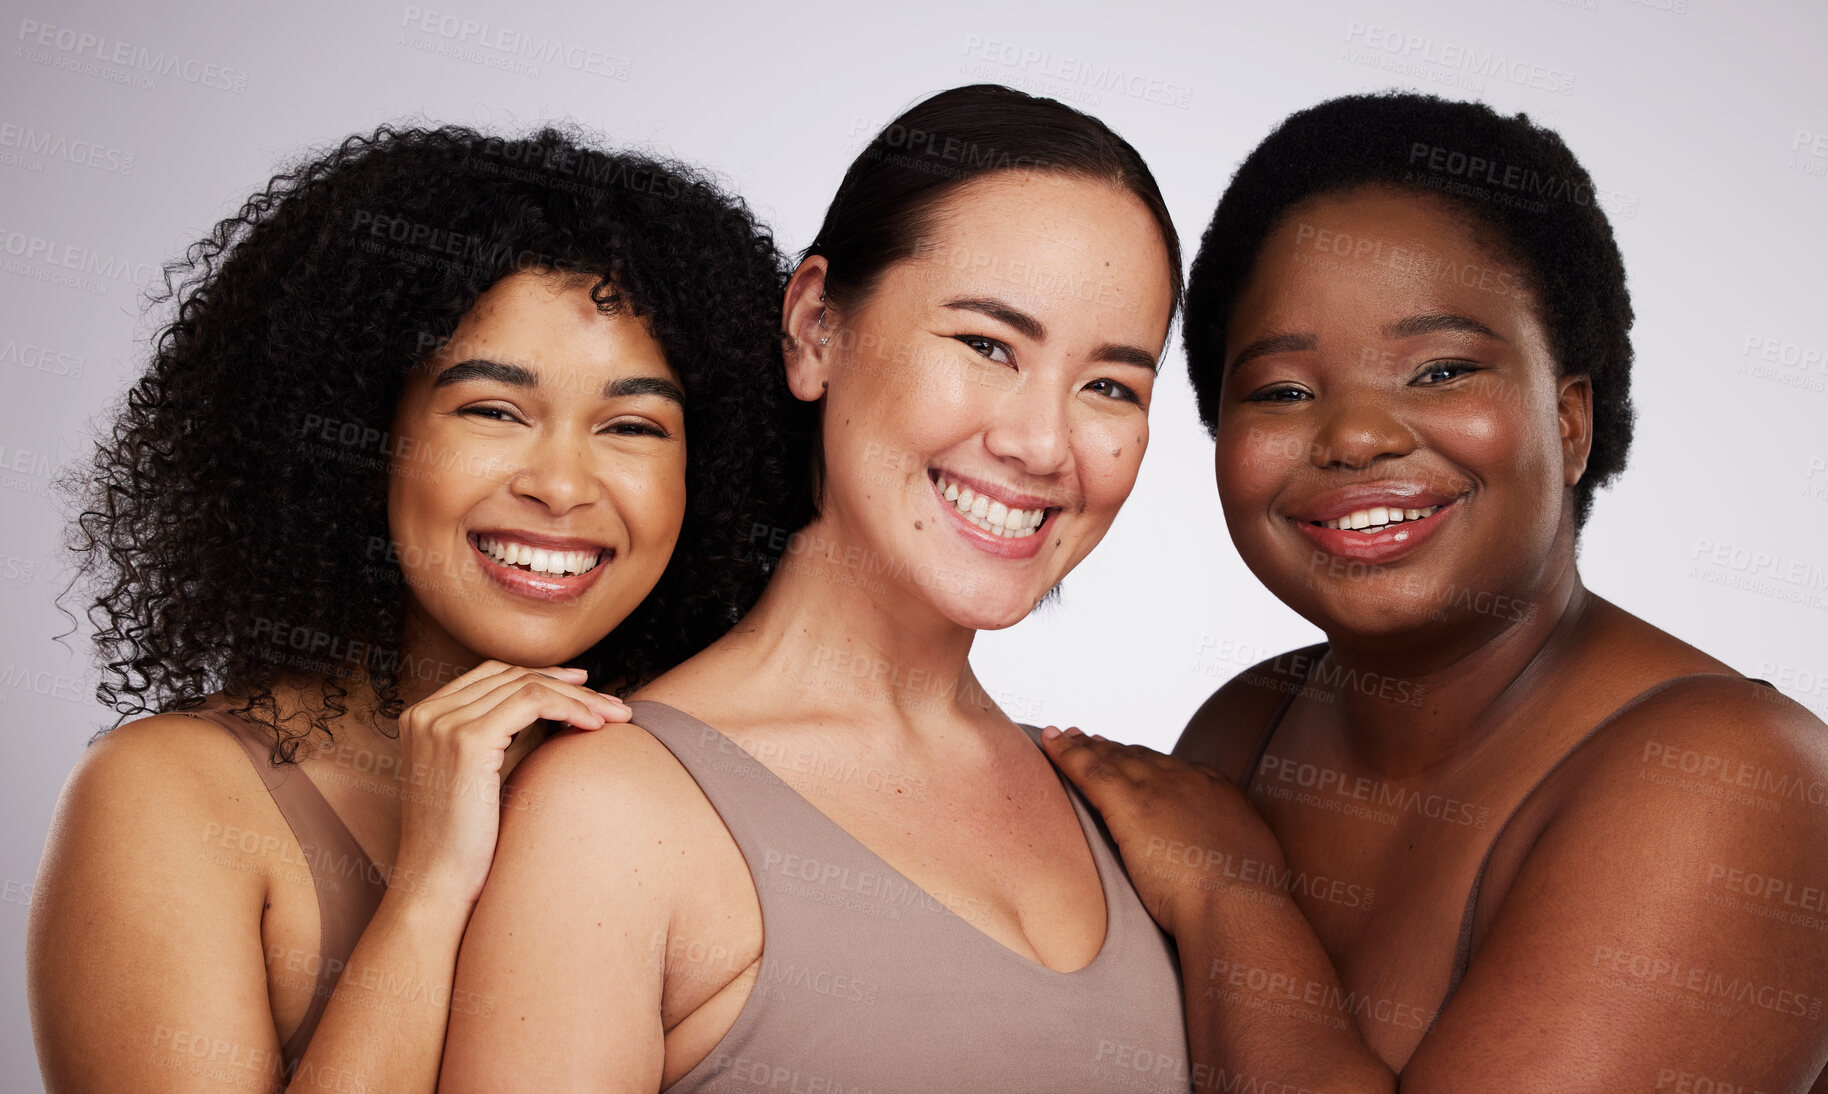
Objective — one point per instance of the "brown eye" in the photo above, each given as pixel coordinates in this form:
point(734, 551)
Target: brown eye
point(987, 347)
point(1111, 389)
point(1439, 372)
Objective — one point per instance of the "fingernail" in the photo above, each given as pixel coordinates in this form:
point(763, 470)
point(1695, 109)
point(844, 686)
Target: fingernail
point(1048, 733)
point(1075, 731)
point(1098, 737)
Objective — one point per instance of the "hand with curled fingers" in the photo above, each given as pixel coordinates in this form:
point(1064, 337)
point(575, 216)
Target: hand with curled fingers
point(454, 745)
point(1186, 833)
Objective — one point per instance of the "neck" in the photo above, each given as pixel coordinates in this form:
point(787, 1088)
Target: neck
point(834, 635)
point(1410, 704)
point(429, 659)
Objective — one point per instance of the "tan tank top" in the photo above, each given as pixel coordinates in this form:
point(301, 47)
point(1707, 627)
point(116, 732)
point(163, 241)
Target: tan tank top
point(869, 985)
point(349, 885)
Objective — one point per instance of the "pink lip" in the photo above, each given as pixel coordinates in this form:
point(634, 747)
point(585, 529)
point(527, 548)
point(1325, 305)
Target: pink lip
point(999, 546)
point(548, 587)
point(1390, 494)
point(547, 543)
point(1392, 543)
point(1011, 498)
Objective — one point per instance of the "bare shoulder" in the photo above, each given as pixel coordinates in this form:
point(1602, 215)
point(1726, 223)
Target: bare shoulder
point(1717, 741)
point(1224, 731)
point(618, 782)
point(148, 905)
point(1669, 878)
point(164, 768)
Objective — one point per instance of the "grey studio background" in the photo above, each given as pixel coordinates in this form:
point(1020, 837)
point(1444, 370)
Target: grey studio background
point(127, 130)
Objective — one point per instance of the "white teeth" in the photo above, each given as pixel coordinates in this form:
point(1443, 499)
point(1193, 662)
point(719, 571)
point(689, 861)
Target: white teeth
point(1377, 518)
point(995, 517)
point(539, 560)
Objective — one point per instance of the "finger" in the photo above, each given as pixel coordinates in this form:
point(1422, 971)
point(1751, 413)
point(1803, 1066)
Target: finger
point(519, 703)
point(1076, 755)
point(607, 707)
point(621, 712)
point(461, 690)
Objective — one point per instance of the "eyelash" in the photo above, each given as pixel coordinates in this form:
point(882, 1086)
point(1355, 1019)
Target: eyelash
point(977, 340)
point(626, 428)
point(1466, 367)
point(1124, 392)
point(1269, 395)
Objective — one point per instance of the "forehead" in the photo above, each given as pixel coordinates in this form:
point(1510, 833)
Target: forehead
point(1058, 246)
point(549, 323)
point(1382, 250)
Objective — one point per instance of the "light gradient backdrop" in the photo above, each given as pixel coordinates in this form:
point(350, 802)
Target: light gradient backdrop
point(127, 130)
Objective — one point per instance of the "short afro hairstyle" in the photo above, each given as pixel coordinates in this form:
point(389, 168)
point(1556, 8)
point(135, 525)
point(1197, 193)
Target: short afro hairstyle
point(1511, 177)
point(217, 526)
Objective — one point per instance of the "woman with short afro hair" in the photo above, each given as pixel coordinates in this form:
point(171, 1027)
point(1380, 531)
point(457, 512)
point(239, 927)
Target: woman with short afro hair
point(1496, 833)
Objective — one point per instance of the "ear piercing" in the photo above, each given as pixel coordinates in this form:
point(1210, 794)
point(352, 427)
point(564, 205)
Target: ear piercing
point(825, 341)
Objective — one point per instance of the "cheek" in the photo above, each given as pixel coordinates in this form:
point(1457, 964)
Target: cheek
point(1109, 451)
point(651, 498)
point(1248, 462)
point(1504, 438)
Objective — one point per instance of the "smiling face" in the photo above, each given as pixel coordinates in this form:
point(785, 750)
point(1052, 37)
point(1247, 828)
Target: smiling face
point(1394, 445)
point(539, 480)
point(986, 407)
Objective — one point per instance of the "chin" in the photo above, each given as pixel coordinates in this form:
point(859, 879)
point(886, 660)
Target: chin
point(529, 650)
point(981, 616)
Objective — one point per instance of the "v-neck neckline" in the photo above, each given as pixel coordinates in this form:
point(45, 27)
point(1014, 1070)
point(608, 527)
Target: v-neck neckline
point(1106, 883)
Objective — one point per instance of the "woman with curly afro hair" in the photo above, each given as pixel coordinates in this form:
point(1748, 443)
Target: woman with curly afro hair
point(447, 436)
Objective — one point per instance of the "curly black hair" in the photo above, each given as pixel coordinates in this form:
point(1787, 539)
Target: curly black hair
point(217, 526)
point(1512, 177)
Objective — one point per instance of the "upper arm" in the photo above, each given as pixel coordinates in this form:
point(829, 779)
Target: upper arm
point(145, 962)
point(558, 986)
point(1224, 732)
point(1668, 924)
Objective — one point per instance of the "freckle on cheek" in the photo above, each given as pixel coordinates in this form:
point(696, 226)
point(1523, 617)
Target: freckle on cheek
point(918, 526)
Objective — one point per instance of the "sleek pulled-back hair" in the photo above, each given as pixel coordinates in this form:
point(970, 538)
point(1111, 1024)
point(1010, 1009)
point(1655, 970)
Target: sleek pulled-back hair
point(1515, 180)
point(234, 527)
point(891, 194)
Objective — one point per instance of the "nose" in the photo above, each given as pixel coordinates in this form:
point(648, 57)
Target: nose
point(1358, 431)
point(1031, 429)
point(558, 474)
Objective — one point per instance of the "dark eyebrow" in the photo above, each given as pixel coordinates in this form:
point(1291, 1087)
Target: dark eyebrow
point(1126, 355)
point(1430, 324)
point(478, 368)
point(1030, 327)
point(1275, 343)
point(516, 376)
point(630, 386)
point(1024, 324)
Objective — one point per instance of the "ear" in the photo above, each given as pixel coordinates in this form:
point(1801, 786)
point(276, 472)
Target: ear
point(808, 362)
point(1574, 409)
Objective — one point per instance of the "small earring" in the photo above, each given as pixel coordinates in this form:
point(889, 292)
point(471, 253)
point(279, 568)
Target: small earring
point(825, 341)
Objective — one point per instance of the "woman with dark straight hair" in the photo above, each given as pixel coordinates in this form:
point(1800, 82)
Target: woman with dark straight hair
point(822, 856)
